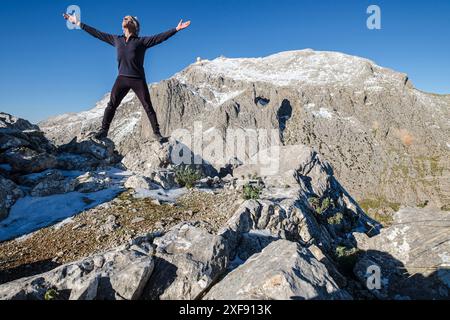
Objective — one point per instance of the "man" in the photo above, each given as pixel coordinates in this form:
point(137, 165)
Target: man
point(131, 49)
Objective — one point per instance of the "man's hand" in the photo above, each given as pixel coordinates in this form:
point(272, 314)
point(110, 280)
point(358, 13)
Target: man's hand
point(183, 25)
point(72, 18)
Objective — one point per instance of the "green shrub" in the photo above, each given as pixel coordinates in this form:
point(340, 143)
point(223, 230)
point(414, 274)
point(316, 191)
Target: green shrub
point(346, 258)
point(251, 192)
point(187, 176)
point(51, 294)
point(318, 205)
point(337, 219)
point(423, 204)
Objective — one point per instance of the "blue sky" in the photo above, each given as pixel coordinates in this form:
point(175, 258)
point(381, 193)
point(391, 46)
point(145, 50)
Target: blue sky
point(47, 69)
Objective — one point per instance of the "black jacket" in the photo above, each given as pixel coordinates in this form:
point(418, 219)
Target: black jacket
point(131, 54)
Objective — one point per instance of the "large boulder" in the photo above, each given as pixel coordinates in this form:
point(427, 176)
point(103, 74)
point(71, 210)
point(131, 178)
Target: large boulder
point(188, 261)
point(282, 271)
point(137, 182)
point(412, 254)
point(51, 186)
point(302, 201)
point(102, 150)
point(23, 146)
point(24, 159)
point(10, 122)
point(118, 274)
point(150, 156)
point(9, 193)
point(92, 182)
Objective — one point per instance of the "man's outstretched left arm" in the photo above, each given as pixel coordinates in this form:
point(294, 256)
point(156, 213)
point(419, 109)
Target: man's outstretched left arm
point(157, 39)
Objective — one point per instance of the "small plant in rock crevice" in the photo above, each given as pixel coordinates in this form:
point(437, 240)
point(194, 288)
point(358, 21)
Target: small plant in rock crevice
point(336, 219)
point(320, 206)
point(50, 294)
point(187, 176)
point(251, 191)
point(347, 258)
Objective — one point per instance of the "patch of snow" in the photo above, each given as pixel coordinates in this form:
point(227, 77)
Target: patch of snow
point(296, 67)
point(33, 213)
point(211, 130)
point(130, 96)
point(375, 88)
point(63, 223)
point(6, 167)
point(30, 214)
point(261, 233)
point(323, 113)
point(209, 94)
point(126, 126)
point(222, 97)
point(25, 237)
point(160, 194)
point(85, 118)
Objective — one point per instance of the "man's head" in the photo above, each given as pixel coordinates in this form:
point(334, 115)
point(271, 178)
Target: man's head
point(132, 24)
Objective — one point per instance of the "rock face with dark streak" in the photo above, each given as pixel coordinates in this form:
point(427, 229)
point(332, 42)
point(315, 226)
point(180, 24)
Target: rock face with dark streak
point(298, 276)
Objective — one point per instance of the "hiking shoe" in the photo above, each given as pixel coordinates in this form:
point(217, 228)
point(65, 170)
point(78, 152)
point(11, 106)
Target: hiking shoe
point(161, 139)
point(102, 134)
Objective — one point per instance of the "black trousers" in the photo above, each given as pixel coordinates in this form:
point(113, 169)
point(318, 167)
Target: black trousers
point(121, 87)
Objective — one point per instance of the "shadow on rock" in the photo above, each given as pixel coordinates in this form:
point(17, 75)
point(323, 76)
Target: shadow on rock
point(165, 273)
point(27, 270)
point(390, 279)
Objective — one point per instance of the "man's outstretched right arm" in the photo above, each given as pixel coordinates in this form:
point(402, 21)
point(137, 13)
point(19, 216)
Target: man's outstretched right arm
point(106, 37)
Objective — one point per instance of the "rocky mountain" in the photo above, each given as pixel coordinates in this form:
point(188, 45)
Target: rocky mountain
point(303, 212)
point(283, 218)
point(387, 141)
point(300, 234)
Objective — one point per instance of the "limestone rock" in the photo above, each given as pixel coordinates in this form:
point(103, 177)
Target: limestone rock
point(92, 182)
point(282, 271)
point(120, 273)
point(189, 260)
point(139, 182)
point(99, 149)
point(9, 193)
point(412, 254)
point(24, 159)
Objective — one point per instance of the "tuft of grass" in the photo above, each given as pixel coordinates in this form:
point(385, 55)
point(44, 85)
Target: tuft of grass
point(337, 219)
point(251, 192)
point(50, 294)
point(347, 258)
point(320, 206)
point(385, 219)
point(187, 176)
point(378, 203)
point(423, 204)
